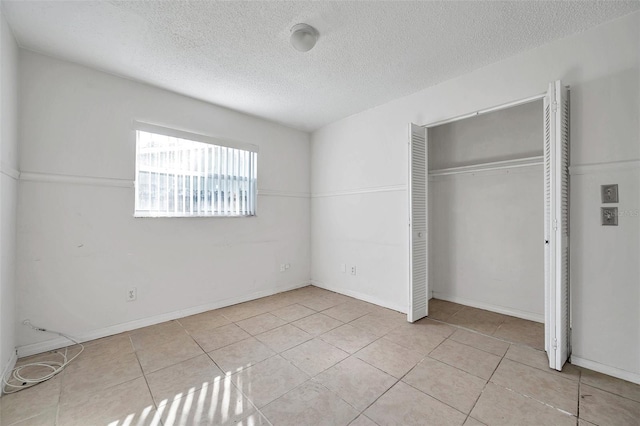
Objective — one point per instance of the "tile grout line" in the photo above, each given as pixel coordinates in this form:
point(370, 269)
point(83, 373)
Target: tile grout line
point(237, 372)
point(219, 368)
point(57, 406)
point(517, 344)
point(208, 354)
point(474, 347)
point(437, 360)
point(366, 417)
point(471, 330)
point(492, 335)
point(579, 393)
point(498, 327)
point(175, 363)
point(423, 358)
point(144, 375)
point(501, 360)
point(349, 355)
point(595, 386)
point(497, 365)
point(249, 399)
point(546, 404)
point(318, 336)
point(188, 359)
point(460, 369)
point(254, 336)
point(119, 383)
point(547, 371)
point(259, 298)
point(113, 386)
point(487, 382)
point(398, 380)
point(311, 379)
point(314, 335)
point(290, 321)
point(55, 421)
point(276, 353)
point(270, 312)
point(525, 395)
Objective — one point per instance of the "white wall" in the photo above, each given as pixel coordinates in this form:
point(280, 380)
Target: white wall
point(359, 174)
point(79, 247)
point(8, 191)
point(485, 228)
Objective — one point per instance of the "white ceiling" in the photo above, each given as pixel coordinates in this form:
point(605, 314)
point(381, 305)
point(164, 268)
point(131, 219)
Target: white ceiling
point(237, 54)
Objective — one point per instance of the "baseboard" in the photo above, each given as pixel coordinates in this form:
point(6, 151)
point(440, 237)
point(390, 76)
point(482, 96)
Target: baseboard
point(360, 296)
point(60, 342)
point(606, 369)
point(489, 307)
point(8, 368)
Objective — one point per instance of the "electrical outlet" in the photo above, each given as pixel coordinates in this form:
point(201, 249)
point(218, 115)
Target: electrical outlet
point(353, 270)
point(132, 294)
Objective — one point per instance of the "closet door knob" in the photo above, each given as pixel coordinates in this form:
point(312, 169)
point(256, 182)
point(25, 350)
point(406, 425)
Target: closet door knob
point(420, 234)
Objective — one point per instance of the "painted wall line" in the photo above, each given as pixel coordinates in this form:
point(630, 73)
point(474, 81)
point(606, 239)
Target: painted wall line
point(357, 191)
point(584, 169)
point(9, 171)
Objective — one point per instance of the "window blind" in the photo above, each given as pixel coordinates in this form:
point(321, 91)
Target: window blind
point(181, 177)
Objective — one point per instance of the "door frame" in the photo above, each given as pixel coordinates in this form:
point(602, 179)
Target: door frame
point(540, 96)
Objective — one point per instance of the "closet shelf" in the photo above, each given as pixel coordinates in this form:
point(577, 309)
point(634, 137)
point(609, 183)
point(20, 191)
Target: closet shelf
point(494, 165)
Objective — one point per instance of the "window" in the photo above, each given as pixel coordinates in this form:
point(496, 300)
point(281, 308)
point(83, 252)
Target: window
point(180, 174)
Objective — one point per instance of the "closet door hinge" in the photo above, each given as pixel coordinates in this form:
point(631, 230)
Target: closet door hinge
point(555, 224)
point(554, 106)
point(555, 344)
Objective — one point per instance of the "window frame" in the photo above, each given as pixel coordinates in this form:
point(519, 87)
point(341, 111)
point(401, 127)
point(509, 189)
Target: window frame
point(194, 137)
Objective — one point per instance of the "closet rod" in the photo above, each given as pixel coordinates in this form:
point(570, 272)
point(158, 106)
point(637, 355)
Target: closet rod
point(487, 110)
point(494, 165)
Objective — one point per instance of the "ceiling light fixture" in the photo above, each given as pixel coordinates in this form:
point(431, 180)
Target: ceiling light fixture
point(303, 37)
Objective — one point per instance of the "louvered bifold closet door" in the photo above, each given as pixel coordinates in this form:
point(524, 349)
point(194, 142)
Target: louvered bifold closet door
point(556, 166)
point(563, 322)
point(549, 238)
point(418, 246)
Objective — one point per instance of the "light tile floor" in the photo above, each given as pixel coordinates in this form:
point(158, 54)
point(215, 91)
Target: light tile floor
point(313, 357)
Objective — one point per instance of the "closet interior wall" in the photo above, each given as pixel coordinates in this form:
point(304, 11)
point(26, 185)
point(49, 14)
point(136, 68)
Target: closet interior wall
point(486, 226)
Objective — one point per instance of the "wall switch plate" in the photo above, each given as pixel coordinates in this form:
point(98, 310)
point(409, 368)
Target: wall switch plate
point(343, 268)
point(609, 193)
point(609, 216)
point(282, 267)
point(132, 294)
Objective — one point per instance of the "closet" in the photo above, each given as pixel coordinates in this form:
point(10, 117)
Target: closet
point(488, 213)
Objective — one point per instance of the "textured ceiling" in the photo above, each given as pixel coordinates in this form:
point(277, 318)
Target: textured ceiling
point(237, 54)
